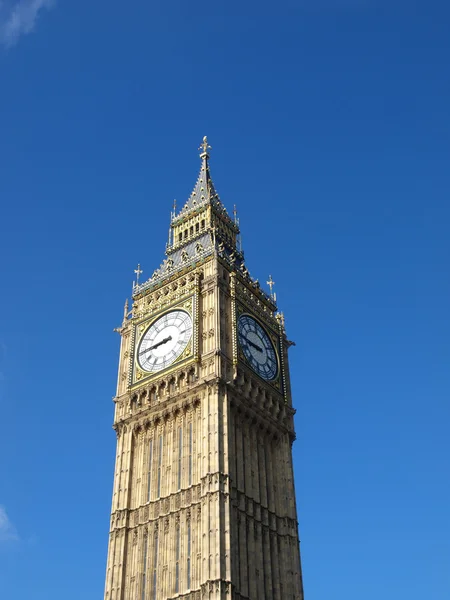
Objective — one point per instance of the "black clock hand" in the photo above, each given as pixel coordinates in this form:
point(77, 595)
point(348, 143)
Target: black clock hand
point(252, 344)
point(164, 341)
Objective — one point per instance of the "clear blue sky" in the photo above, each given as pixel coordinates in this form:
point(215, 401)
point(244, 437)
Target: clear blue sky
point(329, 122)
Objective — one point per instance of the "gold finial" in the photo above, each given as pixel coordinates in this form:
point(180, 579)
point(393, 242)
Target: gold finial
point(205, 147)
point(138, 272)
point(271, 283)
point(280, 319)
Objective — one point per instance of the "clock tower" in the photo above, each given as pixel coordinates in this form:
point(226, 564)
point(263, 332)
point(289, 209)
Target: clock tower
point(203, 501)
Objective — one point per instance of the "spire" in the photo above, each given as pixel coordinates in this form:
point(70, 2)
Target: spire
point(204, 190)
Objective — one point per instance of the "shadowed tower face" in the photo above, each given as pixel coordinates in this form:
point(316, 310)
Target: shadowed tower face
point(203, 502)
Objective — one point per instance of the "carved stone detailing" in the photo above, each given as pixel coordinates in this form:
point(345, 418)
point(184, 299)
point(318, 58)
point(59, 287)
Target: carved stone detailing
point(266, 411)
point(216, 586)
point(215, 482)
point(252, 295)
point(180, 501)
point(257, 517)
point(145, 415)
point(176, 287)
point(210, 421)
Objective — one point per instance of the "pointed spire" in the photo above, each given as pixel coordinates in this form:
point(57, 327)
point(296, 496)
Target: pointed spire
point(204, 190)
point(125, 313)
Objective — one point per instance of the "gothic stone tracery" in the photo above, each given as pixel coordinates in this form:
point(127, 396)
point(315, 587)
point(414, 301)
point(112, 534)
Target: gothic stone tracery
point(203, 499)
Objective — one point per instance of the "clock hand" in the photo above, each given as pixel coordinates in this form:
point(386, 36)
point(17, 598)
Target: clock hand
point(252, 344)
point(164, 341)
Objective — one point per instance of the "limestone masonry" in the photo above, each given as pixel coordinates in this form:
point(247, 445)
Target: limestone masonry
point(203, 501)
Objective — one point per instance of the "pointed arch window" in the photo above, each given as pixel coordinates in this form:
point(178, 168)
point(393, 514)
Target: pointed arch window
point(177, 558)
point(158, 495)
point(155, 565)
point(149, 473)
point(180, 455)
point(144, 569)
point(188, 555)
point(190, 455)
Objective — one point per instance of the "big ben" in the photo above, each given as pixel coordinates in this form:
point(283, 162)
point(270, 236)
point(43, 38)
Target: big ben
point(203, 500)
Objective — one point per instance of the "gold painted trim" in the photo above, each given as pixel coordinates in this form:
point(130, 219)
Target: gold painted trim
point(274, 338)
point(139, 375)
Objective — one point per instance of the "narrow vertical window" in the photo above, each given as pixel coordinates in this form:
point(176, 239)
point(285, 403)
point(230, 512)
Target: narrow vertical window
point(180, 454)
point(144, 569)
point(160, 465)
point(190, 455)
point(149, 474)
point(177, 560)
point(155, 566)
point(188, 553)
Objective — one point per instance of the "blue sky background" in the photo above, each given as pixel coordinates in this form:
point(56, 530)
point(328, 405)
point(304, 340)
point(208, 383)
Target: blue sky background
point(329, 122)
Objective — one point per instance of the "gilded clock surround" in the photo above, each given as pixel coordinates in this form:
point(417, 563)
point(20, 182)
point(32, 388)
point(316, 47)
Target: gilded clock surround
point(204, 457)
point(141, 327)
point(274, 338)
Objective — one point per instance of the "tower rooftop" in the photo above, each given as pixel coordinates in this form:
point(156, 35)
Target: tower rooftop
point(201, 228)
point(204, 191)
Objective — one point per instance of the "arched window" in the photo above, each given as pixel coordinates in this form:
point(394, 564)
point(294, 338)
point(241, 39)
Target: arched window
point(180, 454)
point(144, 569)
point(155, 565)
point(188, 554)
point(149, 473)
point(177, 559)
point(158, 495)
point(190, 455)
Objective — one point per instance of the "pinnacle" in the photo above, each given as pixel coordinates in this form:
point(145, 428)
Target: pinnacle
point(204, 191)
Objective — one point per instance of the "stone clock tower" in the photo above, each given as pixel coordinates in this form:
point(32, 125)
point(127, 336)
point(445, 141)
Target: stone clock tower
point(203, 502)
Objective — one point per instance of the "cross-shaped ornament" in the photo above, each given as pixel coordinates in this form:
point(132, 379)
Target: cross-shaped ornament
point(204, 145)
point(271, 283)
point(138, 272)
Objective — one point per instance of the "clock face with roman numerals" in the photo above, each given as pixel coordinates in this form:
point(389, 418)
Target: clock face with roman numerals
point(257, 347)
point(164, 341)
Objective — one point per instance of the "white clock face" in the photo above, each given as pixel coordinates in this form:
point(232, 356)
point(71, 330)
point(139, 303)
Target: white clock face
point(257, 347)
point(164, 341)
